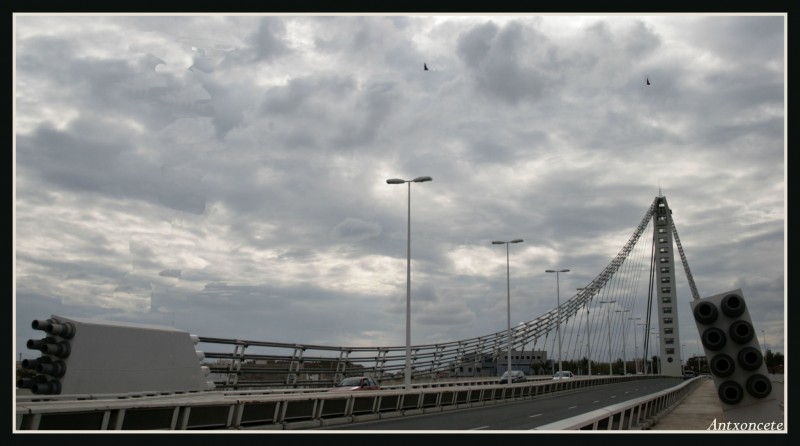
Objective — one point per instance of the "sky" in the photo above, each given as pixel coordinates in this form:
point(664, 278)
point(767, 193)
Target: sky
point(226, 174)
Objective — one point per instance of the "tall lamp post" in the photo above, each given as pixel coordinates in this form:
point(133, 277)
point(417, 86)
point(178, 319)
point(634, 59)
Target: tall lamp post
point(508, 288)
point(558, 322)
point(624, 341)
point(407, 375)
point(608, 320)
point(635, 347)
point(588, 337)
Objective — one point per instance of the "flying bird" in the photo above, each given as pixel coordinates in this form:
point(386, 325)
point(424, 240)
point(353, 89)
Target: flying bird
point(425, 66)
point(648, 80)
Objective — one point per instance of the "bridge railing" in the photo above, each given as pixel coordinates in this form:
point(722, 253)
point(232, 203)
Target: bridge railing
point(271, 410)
point(638, 413)
point(254, 364)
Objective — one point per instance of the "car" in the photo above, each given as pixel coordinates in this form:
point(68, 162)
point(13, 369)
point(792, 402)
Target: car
point(357, 383)
point(688, 375)
point(516, 377)
point(565, 374)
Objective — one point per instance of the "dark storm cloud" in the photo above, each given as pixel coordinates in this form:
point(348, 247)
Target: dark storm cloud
point(85, 158)
point(354, 230)
point(510, 63)
point(268, 41)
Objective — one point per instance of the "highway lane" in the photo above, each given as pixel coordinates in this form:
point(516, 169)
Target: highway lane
point(520, 415)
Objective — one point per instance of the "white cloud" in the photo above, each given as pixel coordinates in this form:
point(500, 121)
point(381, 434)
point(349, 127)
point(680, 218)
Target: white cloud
point(250, 190)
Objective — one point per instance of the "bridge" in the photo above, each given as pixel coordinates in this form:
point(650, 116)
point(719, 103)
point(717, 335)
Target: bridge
point(84, 359)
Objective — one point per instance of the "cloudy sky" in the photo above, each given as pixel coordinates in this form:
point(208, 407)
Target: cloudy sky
point(226, 174)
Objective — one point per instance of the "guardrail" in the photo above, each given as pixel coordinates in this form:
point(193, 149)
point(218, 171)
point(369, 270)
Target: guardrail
point(269, 410)
point(637, 413)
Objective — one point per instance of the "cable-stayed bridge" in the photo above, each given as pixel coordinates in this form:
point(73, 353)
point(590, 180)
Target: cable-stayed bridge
point(640, 278)
point(590, 333)
point(120, 376)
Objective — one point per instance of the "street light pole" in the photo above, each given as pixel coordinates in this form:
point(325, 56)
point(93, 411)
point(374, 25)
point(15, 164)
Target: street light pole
point(407, 375)
point(558, 322)
point(588, 337)
point(508, 299)
point(624, 340)
point(608, 319)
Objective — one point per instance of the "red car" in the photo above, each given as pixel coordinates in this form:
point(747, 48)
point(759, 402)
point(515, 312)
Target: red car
point(357, 383)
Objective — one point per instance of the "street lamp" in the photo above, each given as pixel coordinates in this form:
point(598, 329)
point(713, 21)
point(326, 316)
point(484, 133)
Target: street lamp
point(407, 375)
point(624, 340)
point(588, 338)
point(558, 322)
point(608, 319)
point(635, 347)
point(508, 287)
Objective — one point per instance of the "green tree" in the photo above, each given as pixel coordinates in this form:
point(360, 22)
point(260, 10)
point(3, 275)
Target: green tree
point(773, 361)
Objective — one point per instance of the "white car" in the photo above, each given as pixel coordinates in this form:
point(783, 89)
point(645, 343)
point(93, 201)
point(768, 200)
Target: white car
point(565, 374)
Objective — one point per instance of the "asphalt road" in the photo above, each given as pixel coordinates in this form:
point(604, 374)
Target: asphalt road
point(521, 415)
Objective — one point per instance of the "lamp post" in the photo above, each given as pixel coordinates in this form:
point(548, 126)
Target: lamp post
point(407, 375)
point(588, 337)
point(608, 319)
point(558, 322)
point(508, 298)
point(635, 347)
point(624, 340)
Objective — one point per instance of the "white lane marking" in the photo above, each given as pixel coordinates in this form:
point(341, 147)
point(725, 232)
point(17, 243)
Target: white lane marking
point(571, 407)
point(534, 416)
point(479, 428)
point(613, 396)
point(596, 401)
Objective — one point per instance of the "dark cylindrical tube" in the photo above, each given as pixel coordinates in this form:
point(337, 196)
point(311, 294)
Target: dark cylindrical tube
point(732, 305)
point(57, 369)
point(741, 331)
point(713, 338)
point(52, 387)
point(730, 392)
point(65, 330)
point(60, 349)
point(705, 313)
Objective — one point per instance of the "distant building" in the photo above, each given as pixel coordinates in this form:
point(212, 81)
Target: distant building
point(530, 362)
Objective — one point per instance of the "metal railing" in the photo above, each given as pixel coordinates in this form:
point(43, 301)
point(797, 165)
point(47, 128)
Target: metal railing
point(272, 410)
point(639, 413)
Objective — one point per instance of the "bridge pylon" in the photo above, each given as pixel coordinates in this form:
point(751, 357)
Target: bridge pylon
point(666, 302)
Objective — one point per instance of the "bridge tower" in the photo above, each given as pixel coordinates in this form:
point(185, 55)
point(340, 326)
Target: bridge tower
point(668, 328)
